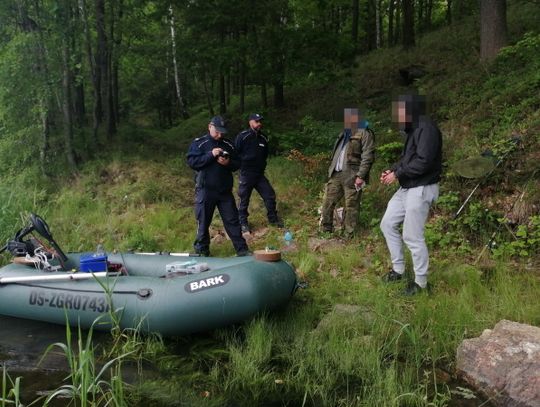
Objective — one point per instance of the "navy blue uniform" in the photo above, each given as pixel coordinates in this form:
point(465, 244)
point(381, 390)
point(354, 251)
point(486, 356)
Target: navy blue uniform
point(213, 187)
point(252, 147)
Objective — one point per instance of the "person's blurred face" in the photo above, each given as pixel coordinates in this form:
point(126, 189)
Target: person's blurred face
point(255, 124)
point(214, 133)
point(400, 114)
point(351, 118)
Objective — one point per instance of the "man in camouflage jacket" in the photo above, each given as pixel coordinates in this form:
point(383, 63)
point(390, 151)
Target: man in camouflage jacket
point(352, 158)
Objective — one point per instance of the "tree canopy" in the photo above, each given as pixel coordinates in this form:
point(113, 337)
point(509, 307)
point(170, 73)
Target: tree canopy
point(73, 70)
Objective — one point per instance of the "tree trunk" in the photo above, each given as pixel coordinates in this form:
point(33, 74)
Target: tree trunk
point(370, 25)
point(179, 92)
point(79, 107)
point(420, 7)
point(115, 62)
point(45, 133)
point(101, 63)
point(279, 94)
point(110, 117)
point(397, 27)
point(408, 23)
point(391, 22)
point(222, 95)
point(242, 85)
point(354, 27)
point(67, 80)
point(493, 31)
point(42, 72)
point(92, 69)
point(264, 95)
point(449, 12)
point(228, 87)
point(207, 93)
point(279, 79)
point(429, 14)
point(378, 24)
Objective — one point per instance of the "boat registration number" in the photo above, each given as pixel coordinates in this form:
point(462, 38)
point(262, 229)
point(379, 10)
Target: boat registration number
point(68, 301)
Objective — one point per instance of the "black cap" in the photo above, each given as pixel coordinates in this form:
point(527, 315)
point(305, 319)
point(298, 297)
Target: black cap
point(255, 116)
point(219, 124)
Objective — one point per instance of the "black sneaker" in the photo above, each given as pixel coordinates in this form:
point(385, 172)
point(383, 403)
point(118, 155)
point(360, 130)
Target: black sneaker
point(243, 253)
point(203, 252)
point(392, 276)
point(245, 229)
point(414, 289)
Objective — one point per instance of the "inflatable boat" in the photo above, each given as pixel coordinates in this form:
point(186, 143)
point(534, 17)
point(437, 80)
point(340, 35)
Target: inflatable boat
point(170, 294)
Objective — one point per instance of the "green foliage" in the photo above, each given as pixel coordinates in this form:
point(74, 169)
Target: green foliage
point(315, 136)
point(389, 152)
point(11, 390)
point(88, 385)
point(526, 242)
point(471, 228)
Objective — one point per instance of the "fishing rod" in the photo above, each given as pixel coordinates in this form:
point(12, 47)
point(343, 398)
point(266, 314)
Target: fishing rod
point(515, 140)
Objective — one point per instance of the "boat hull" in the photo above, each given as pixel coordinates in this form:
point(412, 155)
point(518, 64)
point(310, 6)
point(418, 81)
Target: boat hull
point(149, 298)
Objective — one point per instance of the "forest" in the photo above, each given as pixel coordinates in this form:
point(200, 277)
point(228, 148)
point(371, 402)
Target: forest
point(100, 100)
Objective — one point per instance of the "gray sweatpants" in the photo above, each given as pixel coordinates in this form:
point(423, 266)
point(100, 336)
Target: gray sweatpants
point(410, 207)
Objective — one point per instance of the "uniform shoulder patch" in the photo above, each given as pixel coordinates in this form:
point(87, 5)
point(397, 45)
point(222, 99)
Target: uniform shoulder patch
point(228, 142)
point(202, 140)
point(201, 137)
point(245, 134)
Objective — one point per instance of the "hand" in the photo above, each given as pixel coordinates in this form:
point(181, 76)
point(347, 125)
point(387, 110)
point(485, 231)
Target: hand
point(223, 160)
point(358, 183)
point(388, 177)
point(216, 151)
point(384, 174)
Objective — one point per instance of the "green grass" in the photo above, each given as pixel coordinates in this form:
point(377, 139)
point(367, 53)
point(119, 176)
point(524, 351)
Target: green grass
point(139, 195)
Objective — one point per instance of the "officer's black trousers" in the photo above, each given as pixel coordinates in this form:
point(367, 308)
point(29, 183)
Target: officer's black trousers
point(206, 202)
point(249, 182)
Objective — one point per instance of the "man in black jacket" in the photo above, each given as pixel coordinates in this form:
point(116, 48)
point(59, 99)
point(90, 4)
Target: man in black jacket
point(418, 172)
point(252, 147)
point(214, 159)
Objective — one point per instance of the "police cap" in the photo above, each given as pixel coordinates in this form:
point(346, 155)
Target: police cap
point(219, 124)
point(255, 116)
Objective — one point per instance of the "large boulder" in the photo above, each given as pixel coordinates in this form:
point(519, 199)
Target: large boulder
point(504, 364)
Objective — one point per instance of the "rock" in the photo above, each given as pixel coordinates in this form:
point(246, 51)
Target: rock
point(504, 364)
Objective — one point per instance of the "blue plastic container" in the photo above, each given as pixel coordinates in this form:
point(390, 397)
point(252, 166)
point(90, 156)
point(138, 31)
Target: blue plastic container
point(93, 263)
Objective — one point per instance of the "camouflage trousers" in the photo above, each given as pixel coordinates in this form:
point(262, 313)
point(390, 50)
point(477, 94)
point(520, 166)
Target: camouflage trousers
point(341, 185)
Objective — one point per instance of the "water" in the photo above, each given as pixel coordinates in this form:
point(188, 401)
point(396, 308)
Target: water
point(22, 346)
point(23, 342)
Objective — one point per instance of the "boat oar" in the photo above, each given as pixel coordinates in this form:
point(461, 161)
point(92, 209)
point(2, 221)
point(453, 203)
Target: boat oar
point(169, 254)
point(56, 277)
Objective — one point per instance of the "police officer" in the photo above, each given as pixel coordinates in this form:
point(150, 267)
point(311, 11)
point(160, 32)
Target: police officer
point(214, 159)
point(252, 147)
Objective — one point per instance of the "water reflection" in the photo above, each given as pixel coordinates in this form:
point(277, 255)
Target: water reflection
point(23, 343)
